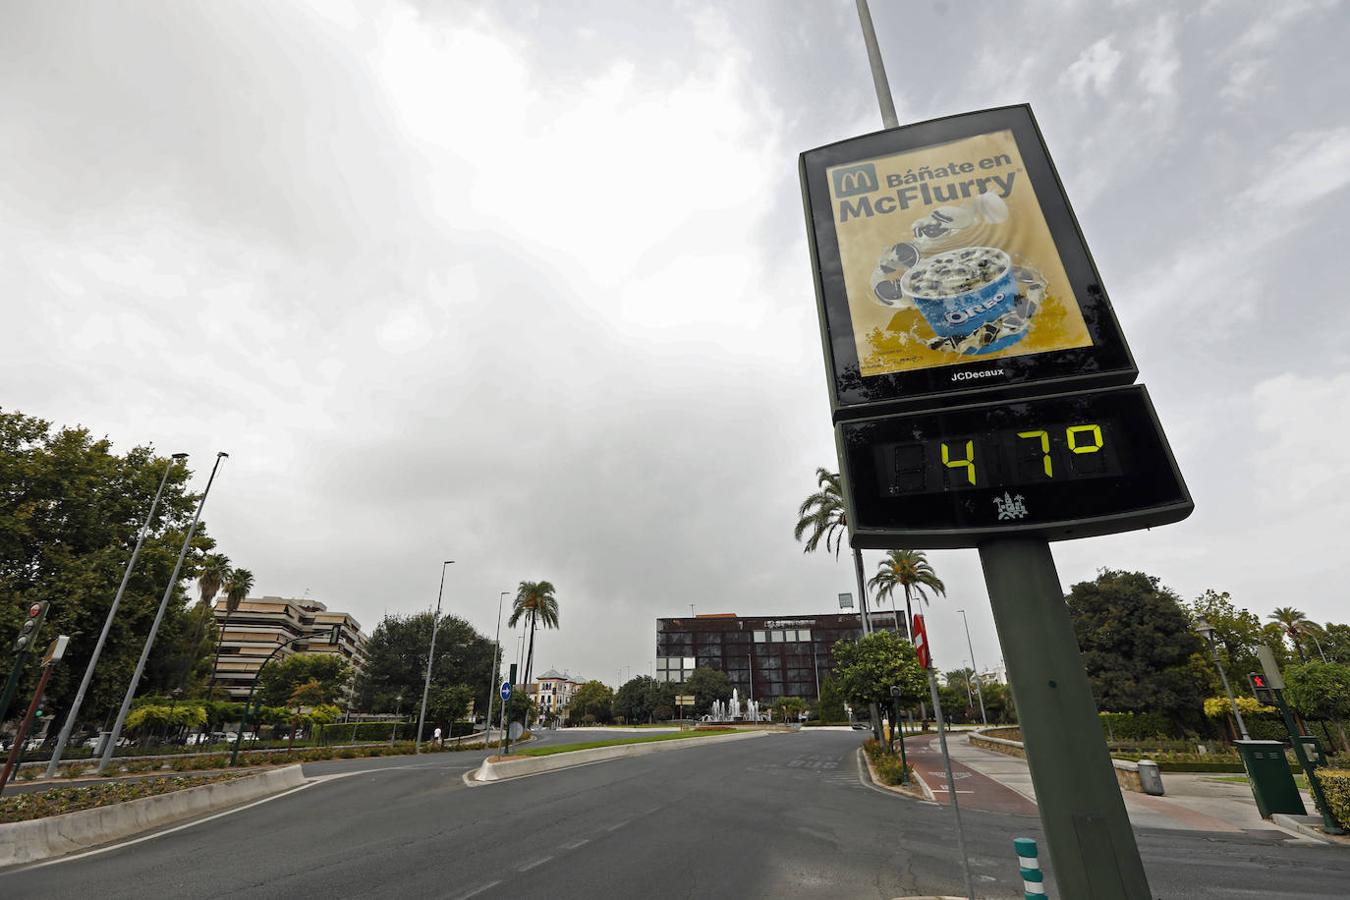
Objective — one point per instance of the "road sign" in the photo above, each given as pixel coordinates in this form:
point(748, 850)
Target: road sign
point(506, 691)
point(921, 642)
point(1063, 466)
point(684, 699)
point(56, 649)
point(948, 263)
point(845, 601)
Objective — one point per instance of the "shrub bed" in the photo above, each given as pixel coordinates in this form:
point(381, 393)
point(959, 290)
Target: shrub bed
point(1336, 786)
point(888, 765)
point(57, 801)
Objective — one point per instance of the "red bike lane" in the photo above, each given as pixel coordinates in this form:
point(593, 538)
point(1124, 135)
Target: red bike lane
point(973, 789)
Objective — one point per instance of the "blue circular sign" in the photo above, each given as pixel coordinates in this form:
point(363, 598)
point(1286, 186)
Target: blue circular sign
point(506, 690)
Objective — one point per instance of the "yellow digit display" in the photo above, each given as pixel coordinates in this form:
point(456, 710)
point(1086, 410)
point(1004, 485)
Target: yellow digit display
point(1074, 430)
point(1045, 449)
point(968, 462)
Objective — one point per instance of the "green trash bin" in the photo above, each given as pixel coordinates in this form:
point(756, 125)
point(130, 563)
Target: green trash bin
point(1272, 781)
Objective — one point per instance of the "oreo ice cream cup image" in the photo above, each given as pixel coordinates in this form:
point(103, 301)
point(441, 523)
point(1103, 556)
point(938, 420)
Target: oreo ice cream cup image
point(960, 291)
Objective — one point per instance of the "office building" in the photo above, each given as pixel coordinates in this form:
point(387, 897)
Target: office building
point(261, 624)
point(766, 657)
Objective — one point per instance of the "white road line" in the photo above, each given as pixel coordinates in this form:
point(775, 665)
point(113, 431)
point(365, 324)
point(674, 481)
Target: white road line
point(572, 845)
point(528, 866)
point(617, 825)
point(478, 890)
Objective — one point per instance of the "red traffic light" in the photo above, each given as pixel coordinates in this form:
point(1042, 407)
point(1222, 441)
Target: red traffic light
point(1259, 681)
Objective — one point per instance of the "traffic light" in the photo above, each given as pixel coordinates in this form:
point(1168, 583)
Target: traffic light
point(1263, 691)
point(28, 633)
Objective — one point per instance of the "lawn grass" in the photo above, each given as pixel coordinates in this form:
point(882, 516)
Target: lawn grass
point(1299, 779)
point(615, 742)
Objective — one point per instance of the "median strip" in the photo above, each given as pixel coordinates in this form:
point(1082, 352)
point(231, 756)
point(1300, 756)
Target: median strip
point(552, 758)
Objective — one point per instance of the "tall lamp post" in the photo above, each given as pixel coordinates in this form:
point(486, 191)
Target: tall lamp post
point(154, 626)
point(492, 676)
point(1206, 631)
point(74, 713)
point(431, 657)
point(979, 689)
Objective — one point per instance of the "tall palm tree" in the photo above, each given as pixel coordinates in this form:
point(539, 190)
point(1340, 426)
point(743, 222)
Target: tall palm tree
point(908, 569)
point(823, 516)
point(1294, 624)
point(535, 604)
point(215, 569)
point(236, 585)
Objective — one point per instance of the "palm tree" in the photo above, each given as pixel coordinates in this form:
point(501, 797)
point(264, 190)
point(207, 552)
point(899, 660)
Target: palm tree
point(822, 515)
point(236, 585)
point(536, 604)
point(908, 569)
point(1294, 624)
point(215, 569)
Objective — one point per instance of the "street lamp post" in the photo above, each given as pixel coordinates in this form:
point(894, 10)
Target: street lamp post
point(154, 626)
point(979, 689)
point(74, 712)
point(1206, 631)
point(431, 657)
point(496, 663)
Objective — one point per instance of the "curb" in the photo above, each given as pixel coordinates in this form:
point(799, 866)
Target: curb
point(507, 769)
point(874, 782)
point(39, 839)
point(1304, 825)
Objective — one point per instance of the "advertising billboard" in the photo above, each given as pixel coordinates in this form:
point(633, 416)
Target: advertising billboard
point(949, 263)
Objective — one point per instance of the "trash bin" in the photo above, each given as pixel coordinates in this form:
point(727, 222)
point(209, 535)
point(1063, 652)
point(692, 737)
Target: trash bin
point(1150, 777)
point(1272, 781)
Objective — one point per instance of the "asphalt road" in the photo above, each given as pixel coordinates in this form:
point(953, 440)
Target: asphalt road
point(784, 815)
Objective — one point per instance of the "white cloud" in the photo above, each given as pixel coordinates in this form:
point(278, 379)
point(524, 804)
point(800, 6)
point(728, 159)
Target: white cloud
point(1095, 68)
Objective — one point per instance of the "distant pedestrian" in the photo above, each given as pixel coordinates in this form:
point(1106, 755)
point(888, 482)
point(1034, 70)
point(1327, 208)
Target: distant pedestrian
point(436, 735)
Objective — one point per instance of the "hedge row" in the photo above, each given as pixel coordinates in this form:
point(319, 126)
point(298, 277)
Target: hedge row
point(1336, 786)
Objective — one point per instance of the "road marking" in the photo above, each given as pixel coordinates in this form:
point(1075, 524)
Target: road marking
point(478, 890)
point(528, 866)
point(617, 825)
point(572, 845)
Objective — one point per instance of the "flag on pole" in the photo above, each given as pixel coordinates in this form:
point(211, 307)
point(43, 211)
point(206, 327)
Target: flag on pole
point(921, 642)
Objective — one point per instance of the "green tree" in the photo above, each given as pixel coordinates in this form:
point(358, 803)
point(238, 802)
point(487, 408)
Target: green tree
point(536, 604)
point(237, 583)
point(282, 678)
point(447, 704)
point(396, 662)
point(831, 701)
point(637, 699)
point(707, 684)
point(869, 667)
point(1237, 632)
point(70, 512)
point(1321, 690)
point(1295, 626)
point(787, 709)
point(910, 571)
point(594, 700)
point(1336, 642)
point(1138, 647)
point(520, 708)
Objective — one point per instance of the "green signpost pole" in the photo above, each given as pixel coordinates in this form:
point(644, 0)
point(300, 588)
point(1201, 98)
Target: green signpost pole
point(1092, 847)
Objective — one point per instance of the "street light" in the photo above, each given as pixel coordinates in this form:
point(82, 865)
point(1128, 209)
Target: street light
point(979, 688)
point(431, 656)
point(1206, 631)
point(74, 712)
point(492, 676)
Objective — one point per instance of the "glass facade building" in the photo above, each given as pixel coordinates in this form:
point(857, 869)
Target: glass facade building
point(766, 657)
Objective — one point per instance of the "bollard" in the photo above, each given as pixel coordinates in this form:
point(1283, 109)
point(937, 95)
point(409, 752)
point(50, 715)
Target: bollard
point(1033, 879)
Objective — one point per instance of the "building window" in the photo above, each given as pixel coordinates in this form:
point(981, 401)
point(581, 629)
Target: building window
point(759, 637)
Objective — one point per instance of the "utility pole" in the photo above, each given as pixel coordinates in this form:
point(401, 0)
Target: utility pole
point(74, 713)
point(431, 656)
point(154, 626)
point(979, 689)
point(496, 663)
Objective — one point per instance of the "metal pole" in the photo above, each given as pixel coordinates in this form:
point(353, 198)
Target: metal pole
point(431, 657)
point(888, 116)
point(951, 783)
point(12, 763)
point(1242, 726)
point(496, 662)
point(1092, 846)
point(862, 592)
point(74, 712)
point(154, 626)
point(979, 689)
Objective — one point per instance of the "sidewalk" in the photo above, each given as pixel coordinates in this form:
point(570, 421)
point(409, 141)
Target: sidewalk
point(1193, 802)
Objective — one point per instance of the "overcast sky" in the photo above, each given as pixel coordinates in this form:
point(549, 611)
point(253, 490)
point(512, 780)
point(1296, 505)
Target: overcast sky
point(526, 285)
